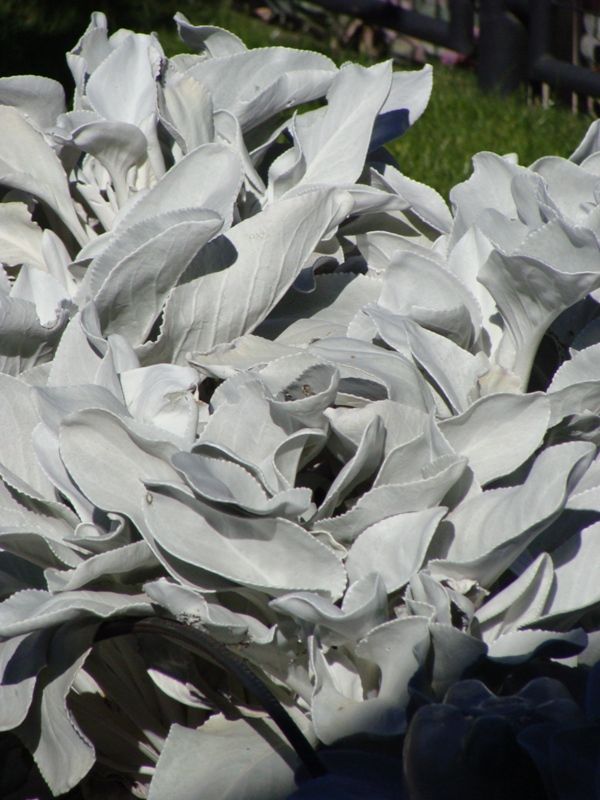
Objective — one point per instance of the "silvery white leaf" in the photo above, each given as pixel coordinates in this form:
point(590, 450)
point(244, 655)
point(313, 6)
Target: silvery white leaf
point(578, 398)
point(582, 367)
point(394, 547)
point(270, 658)
point(520, 603)
point(519, 426)
point(192, 608)
point(48, 296)
point(161, 395)
point(566, 248)
point(586, 493)
point(571, 187)
point(588, 335)
point(491, 182)
point(28, 163)
point(91, 439)
point(261, 767)
point(21, 660)
point(45, 444)
point(534, 206)
point(331, 143)
point(267, 553)
point(378, 247)
point(492, 529)
point(426, 596)
point(229, 131)
point(57, 516)
point(361, 466)
point(24, 341)
point(420, 199)
point(4, 282)
point(33, 609)
point(297, 450)
point(419, 457)
point(189, 184)
point(57, 261)
point(91, 49)
point(338, 709)
point(398, 375)
point(56, 403)
point(256, 84)
point(118, 357)
point(226, 360)
point(377, 199)
point(215, 41)
point(18, 418)
point(575, 587)
point(226, 482)
point(419, 288)
point(97, 195)
point(129, 563)
point(398, 648)
point(176, 687)
point(386, 215)
point(36, 375)
point(530, 294)
point(402, 424)
point(301, 386)
point(40, 100)
point(386, 501)
point(117, 145)
point(20, 237)
point(589, 145)
point(68, 122)
point(589, 656)
point(363, 608)
point(62, 752)
point(301, 317)
point(16, 573)
point(180, 94)
point(42, 548)
point(129, 245)
point(517, 646)
point(256, 446)
point(464, 261)
point(247, 271)
point(39, 533)
point(453, 652)
point(433, 353)
point(123, 86)
point(406, 101)
point(112, 532)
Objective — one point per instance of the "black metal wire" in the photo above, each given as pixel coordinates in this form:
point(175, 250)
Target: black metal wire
point(202, 643)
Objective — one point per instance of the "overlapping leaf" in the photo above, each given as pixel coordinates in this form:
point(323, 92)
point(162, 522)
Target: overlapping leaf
point(287, 409)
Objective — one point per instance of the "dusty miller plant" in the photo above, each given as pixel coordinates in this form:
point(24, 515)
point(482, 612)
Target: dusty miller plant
point(256, 380)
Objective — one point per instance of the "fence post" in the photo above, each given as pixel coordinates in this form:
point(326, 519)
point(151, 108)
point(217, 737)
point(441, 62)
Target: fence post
point(543, 66)
point(502, 50)
point(455, 34)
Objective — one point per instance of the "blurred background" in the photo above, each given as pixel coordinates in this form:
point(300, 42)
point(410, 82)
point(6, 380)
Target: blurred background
point(513, 115)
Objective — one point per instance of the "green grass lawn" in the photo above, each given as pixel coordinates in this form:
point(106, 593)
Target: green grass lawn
point(460, 119)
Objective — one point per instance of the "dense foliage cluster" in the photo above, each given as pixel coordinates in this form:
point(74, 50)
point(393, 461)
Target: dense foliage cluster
point(255, 379)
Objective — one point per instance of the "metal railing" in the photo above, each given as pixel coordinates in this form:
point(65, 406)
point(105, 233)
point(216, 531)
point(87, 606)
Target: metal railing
point(544, 65)
point(516, 42)
point(457, 33)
